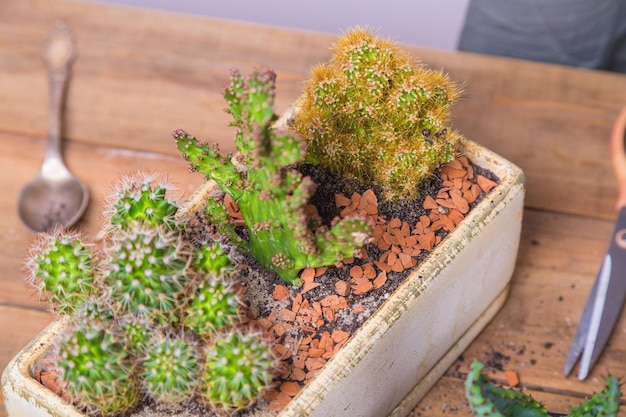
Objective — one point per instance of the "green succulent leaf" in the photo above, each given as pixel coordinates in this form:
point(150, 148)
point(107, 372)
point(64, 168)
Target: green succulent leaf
point(488, 400)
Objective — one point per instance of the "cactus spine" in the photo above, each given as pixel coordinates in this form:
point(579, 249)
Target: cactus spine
point(374, 114)
point(271, 195)
point(488, 400)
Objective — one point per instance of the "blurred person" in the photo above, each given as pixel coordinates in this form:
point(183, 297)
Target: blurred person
point(581, 33)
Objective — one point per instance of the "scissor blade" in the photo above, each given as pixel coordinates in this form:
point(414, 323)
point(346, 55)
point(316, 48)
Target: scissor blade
point(593, 341)
point(604, 304)
point(580, 338)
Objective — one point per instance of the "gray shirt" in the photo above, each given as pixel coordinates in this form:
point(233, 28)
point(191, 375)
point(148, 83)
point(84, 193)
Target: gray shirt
point(582, 33)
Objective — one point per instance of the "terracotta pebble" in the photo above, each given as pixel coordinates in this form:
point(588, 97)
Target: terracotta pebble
point(485, 183)
point(290, 388)
point(342, 288)
point(280, 292)
point(301, 340)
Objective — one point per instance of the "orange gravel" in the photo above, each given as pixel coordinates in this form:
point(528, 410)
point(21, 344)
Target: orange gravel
point(401, 243)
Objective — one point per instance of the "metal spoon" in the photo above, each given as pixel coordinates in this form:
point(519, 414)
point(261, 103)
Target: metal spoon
point(55, 196)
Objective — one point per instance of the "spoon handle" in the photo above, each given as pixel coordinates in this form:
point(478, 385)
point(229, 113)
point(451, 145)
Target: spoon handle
point(59, 53)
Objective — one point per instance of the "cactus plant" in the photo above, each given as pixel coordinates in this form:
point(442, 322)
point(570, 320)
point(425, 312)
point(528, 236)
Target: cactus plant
point(145, 273)
point(488, 400)
point(60, 265)
point(128, 296)
point(375, 114)
point(141, 197)
point(170, 369)
point(238, 367)
point(215, 303)
point(100, 372)
point(215, 306)
point(271, 195)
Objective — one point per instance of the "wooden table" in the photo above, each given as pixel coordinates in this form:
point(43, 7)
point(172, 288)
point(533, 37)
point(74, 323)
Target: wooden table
point(142, 74)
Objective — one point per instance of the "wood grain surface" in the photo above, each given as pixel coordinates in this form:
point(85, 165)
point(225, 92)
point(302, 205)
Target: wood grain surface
point(141, 74)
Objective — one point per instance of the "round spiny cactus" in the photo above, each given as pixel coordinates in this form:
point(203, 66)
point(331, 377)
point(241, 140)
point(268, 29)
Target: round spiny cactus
point(145, 280)
point(215, 306)
point(60, 266)
point(237, 370)
point(141, 197)
point(98, 370)
point(212, 258)
point(136, 331)
point(146, 270)
point(374, 114)
point(170, 369)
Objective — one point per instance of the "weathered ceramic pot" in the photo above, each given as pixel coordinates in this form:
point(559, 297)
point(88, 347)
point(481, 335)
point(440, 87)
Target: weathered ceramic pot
point(391, 362)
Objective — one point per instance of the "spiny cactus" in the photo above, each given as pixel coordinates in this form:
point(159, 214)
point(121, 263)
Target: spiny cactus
point(136, 332)
point(601, 404)
point(375, 114)
point(170, 370)
point(60, 266)
point(271, 195)
point(238, 368)
point(211, 258)
point(146, 270)
point(214, 306)
point(488, 400)
point(130, 292)
point(100, 372)
point(141, 197)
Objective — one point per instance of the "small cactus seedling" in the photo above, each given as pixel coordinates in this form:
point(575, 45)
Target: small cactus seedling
point(101, 372)
point(170, 370)
point(374, 114)
point(271, 195)
point(238, 368)
point(488, 400)
point(61, 267)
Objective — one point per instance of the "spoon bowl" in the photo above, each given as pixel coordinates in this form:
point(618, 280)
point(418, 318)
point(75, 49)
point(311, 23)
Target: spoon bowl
point(45, 203)
point(55, 197)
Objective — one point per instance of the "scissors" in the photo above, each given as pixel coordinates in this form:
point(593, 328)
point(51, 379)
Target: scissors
point(606, 299)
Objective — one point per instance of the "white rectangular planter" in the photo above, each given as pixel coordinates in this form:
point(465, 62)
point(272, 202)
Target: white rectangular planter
point(391, 362)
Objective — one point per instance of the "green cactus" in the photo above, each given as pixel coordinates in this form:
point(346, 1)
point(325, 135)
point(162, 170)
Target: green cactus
point(170, 369)
point(214, 307)
point(211, 258)
point(60, 266)
point(270, 194)
point(136, 332)
point(130, 292)
point(98, 370)
point(141, 197)
point(601, 404)
point(238, 369)
point(146, 270)
point(488, 400)
point(374, 114)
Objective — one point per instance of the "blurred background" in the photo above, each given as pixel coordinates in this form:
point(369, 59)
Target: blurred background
point(427, 23)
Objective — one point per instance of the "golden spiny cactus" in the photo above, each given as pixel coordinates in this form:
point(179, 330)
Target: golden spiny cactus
point(375, 114)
